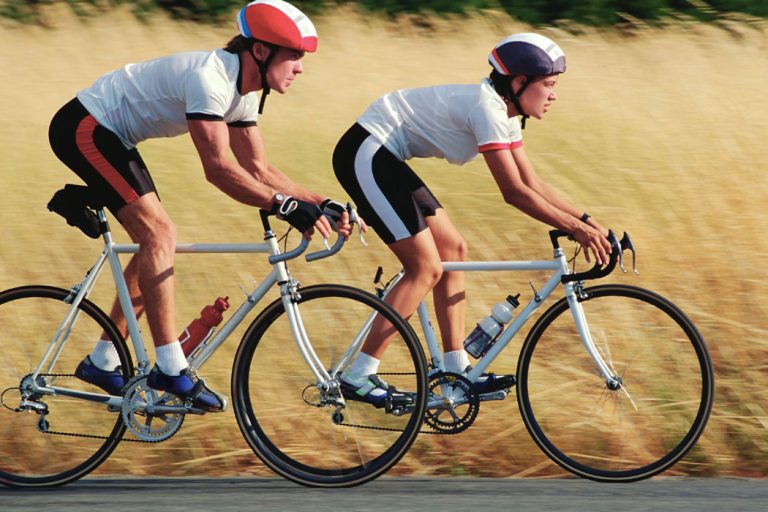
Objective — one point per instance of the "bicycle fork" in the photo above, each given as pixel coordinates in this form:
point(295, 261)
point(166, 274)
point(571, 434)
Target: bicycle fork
point(612, 381)
point(325, 378)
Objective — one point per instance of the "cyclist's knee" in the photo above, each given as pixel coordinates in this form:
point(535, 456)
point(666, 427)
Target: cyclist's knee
point(454, 250)
point(161, 239)
point(426, 273)
point(157, 238)
point(148, 224)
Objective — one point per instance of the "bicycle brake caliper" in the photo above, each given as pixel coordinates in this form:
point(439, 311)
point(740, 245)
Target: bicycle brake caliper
point(293, 290)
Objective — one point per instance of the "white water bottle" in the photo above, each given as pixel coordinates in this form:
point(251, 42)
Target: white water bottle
point(484, 334)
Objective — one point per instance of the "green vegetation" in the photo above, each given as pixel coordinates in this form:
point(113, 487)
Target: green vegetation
point(537, 12)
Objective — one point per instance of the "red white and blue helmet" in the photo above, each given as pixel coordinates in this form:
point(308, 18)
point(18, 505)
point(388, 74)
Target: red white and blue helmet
point(527, 54)
point(278, 23)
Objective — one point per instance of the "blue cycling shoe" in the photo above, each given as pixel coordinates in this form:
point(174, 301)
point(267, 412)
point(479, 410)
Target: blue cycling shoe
point(110, 381)
point(188, 386)
point(372, 390)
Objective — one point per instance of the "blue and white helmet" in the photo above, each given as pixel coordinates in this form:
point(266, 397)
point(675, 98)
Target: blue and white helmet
point(527, 54)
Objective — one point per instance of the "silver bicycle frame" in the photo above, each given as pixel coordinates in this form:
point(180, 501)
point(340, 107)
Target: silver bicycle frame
point(559, 267)
point(278, 274)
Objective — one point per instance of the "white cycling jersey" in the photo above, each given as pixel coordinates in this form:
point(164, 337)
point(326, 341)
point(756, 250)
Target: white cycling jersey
point(155, 98)
point(455, 122)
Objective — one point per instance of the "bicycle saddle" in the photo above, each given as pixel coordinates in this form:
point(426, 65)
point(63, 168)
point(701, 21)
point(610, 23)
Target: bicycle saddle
point(76, 204)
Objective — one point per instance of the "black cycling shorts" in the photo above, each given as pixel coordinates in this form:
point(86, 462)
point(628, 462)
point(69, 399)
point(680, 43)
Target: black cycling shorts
point(388, 194)
point(116, 174)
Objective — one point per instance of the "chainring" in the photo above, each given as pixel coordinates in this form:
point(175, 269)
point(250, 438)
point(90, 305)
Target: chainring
point(448, 417)
point(151, 428)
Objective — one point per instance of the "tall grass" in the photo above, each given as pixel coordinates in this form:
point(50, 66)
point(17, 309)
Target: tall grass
point(660, 134)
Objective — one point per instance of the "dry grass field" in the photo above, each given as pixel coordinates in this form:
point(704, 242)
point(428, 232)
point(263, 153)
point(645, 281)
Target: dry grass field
point(660, 133)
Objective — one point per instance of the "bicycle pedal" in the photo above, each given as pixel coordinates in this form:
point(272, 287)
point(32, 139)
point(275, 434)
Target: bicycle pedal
point(494, 395)
point(194, 410)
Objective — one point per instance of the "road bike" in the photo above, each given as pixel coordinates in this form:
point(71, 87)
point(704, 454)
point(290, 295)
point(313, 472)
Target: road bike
point(55, 429)
point(614, 382)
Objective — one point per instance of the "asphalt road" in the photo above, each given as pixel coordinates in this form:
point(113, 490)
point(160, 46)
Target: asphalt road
point(395, 494)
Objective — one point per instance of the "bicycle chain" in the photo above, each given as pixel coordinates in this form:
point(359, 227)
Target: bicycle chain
point(86, 436)
point(385, 429)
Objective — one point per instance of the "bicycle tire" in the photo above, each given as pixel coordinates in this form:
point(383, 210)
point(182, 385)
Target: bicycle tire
point(81, 434)
point(631, 433)
point(300, 441)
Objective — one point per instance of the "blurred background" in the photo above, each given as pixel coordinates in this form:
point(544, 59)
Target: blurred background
point(659, 130)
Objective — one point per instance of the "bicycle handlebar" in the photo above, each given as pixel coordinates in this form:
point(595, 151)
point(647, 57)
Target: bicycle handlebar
point(314, 256)
point(598, 271)
point(285, 256)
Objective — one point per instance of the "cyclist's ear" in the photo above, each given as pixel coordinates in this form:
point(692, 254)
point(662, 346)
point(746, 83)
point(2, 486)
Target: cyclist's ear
point(260, 51)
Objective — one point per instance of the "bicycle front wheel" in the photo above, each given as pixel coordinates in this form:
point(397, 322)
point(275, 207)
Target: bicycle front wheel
point(52, 439)
point(279, 406)
point(655, 414)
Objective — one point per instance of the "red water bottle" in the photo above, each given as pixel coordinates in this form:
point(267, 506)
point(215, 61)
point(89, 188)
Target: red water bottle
point(200, 328)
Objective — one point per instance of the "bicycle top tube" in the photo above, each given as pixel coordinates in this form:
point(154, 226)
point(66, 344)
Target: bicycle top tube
point(235, 248)
point(483, 266)
point(597, 271)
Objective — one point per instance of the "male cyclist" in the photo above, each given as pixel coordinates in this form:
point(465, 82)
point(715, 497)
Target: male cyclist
point(454, 122)
point(213, 96)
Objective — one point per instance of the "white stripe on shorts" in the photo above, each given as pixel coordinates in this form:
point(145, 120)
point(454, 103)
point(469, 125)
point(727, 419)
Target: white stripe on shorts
point(372, 192)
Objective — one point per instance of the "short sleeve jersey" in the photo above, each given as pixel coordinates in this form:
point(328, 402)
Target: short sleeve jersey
point(156, 98)
point(455, 122)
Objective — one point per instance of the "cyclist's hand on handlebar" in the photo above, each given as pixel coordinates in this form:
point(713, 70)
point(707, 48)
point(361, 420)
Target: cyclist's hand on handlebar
point(304, 216)
point(593, 241)
point(340, 214)
point(592, 222)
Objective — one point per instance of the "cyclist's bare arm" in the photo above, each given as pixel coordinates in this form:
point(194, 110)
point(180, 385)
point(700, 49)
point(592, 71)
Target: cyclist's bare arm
point(248, 147)
point(517, 193)
point(532, 179)
point(249, 185)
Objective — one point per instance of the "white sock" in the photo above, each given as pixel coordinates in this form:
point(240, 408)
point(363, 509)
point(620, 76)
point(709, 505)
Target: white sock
point(104, 356)
point(171, 359)
point(456, 361)
point(363, 366)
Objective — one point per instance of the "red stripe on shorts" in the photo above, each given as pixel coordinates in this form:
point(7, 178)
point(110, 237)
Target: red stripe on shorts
point(87, 146)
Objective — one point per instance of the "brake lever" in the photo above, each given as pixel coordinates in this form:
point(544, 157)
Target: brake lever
point(355, 219)
point(616, 245)
point(626, 243)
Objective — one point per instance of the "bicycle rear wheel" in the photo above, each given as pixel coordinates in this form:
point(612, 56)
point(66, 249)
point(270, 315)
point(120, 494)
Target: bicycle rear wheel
point(75, 436)
point(654, 417)
point(277, 402)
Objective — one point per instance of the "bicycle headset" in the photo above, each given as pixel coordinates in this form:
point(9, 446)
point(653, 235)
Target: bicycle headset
point(275, 23)
point(526, 54)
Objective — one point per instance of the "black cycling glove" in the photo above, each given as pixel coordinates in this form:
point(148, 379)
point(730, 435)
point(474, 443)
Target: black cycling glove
point(299, 214)
point(333, 210)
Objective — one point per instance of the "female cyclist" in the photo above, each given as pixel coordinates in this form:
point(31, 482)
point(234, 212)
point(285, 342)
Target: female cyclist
point(454, 122)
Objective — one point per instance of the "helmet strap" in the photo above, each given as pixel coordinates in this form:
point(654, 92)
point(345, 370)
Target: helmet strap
point(263, 67)
point(515, 99)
